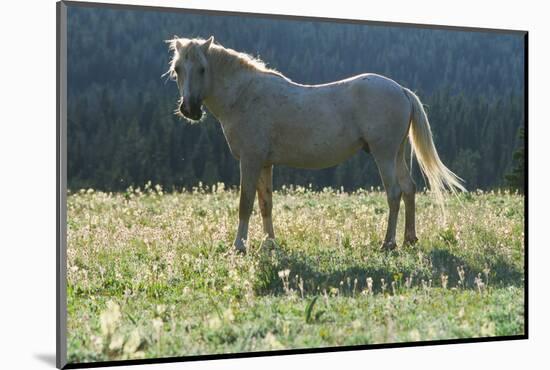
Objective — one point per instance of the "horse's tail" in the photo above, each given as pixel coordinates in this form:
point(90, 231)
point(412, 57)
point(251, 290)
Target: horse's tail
point(420, 136)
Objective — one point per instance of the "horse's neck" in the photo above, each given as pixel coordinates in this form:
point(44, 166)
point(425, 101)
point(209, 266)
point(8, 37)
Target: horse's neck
point(226, 90)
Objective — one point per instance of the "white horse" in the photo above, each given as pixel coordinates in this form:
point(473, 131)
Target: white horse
point(267, 120)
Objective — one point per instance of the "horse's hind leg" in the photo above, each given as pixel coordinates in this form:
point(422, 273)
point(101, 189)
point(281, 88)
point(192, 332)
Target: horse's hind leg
point(265, 191)
point(388, 173)
point(408, 187)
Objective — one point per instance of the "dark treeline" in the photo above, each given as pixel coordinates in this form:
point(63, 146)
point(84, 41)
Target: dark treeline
point(122, 131)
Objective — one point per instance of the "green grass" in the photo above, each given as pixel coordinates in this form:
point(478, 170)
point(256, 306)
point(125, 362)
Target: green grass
point(154, 275)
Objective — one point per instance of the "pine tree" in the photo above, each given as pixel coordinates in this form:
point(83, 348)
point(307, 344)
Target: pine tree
point(516, 178)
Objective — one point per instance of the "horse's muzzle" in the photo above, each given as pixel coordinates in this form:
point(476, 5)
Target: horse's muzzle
point(195, 110)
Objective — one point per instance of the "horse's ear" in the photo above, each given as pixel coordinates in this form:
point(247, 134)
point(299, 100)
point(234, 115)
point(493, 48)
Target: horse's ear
point(207, 44)
point(174, 43)
point(179, 45)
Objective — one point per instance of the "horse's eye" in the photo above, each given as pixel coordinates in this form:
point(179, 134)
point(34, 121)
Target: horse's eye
point(201, 70)
point(177, 69)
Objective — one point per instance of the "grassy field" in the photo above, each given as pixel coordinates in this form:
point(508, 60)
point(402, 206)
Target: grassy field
point(154, 275)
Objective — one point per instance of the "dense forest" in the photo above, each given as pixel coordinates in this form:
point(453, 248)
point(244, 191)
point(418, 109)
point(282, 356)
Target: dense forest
point(122, 131)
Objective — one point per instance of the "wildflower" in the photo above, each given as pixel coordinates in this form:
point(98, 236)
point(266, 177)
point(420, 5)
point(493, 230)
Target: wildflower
point(157, 324)
point(133, 343)
point(228, 315)
point(461, 275)
point(271, 341)
point(408, 282)
point(486, 271)
point(369, 285)
point(109, 318)
point(444, 280)
point(97, 342)
point(127, 293)
point(383, 285)
point(161, 309)
point(414, 335)
point(479, 283)
point(116, 342)
point(214, 322)
point(284, 273)
point(301, 287)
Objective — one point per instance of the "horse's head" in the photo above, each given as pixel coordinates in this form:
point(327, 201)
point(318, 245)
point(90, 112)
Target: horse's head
point(189, 68)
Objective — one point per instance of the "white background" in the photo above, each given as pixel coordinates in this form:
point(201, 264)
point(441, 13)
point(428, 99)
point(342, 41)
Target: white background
point(27, 183)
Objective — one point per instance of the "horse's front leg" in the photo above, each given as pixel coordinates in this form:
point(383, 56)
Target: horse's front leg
point(250, 172)
point(265, 191)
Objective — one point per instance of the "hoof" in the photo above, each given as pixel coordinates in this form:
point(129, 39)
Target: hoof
point(411, 241)
point(240, 247)
point(389, 246)
point(268, 245)
point(241, 251)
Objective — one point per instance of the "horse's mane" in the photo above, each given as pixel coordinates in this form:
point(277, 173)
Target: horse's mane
point(223, 56)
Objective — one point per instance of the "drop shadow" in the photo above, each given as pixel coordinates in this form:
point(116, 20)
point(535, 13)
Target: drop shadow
point(46, 358)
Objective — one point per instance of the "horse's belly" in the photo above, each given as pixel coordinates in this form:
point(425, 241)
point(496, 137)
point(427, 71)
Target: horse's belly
point(316, 133)
point(317, 156)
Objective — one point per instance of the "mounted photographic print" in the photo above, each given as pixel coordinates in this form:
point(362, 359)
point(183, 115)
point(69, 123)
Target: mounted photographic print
point(235, 184)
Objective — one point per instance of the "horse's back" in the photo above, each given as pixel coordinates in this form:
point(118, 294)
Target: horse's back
point(364, 102)
point(316, 126)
